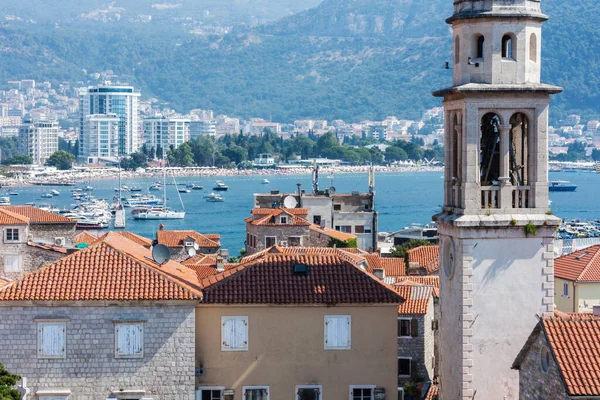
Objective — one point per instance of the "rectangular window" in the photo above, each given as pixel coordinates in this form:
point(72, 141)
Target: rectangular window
point(270, 241)
point(234, 333)
point(345, 228)
point(210, 393)
point(52, 339)
point(367, 229)
point(566, 289)
point(404, 366)
point(256, 392)
point(294, 241)
point(338, 330)
point(400, 393)
point(283, 219)
point(362, 392)
point(404, 327)
point(308, 392)
point(317, 220)
point(12, 235)
point(337, 207)
point(129, 340)
point(359, 229)
point(13, 263)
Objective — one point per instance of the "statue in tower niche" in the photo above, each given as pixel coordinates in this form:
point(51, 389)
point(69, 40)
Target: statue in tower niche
point(496, 232)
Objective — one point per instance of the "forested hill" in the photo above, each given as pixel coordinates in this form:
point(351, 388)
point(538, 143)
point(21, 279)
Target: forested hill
point(348, 59)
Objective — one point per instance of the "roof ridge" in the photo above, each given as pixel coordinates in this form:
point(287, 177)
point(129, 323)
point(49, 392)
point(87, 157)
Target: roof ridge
point(588, 265)
point(15, 215)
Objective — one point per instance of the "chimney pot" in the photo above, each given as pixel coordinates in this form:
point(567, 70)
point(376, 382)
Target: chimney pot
point(220, 264)
point(161, 227)
point(597, 310)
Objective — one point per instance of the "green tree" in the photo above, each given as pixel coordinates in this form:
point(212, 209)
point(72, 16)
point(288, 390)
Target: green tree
point(9, 147)
point(327, 143)
point(61, 159)
point(8, 382)
point(235, 153)
point(18, 159)
point(181, 156)
point(401, 250)
point(394, 153)
point(135, 161)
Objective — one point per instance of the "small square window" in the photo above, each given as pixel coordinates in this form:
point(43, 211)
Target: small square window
point(12, 235)
point(129, 340)
point(52, 339)
point(270, 241)
point(404, 326)
point(361, 393)
point(337, 207)
point(317, 220)
point(13, 263)
point(210, 393)
point(234, 333)
point(346, 228)
point(308, 392)
point(283, 219)
point(359, 229)
point(404, 366)
point(294, 241)
point(256, 392)
point(338, 329)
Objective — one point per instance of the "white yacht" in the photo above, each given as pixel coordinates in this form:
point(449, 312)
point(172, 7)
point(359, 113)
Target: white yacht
point(265, 181)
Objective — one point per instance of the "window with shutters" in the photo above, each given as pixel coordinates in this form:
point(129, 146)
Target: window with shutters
point(362, 392)
point(404, 327)
point(129, 340)
point(13, 263)
point(404, 366)
point(52, 339)
point(234, 333)
point(270, 241)
point(12, 235)
point(338, 330)
point(256, 392)
point(210, 393)
point(308, 392)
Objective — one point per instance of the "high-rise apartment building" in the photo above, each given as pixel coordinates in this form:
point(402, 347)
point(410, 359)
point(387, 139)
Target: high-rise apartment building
point(119, 100)
point(102, 137)
point(38, 139)
point(202, 128)
point(165, 132)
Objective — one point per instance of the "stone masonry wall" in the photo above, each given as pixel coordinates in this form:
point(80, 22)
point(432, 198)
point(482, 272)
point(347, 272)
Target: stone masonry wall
point(420, 349)
point(536, 384)
point(282, 232)
point(90, 370)
point(46, 233)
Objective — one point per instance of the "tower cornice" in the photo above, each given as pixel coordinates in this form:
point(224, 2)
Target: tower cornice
point(498, 88)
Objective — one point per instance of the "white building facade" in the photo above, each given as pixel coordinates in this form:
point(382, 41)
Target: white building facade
point(164, 132)
point(39, 140)
point(496, 232)
point(202, 128)
point(102, 136)
point(119, 100)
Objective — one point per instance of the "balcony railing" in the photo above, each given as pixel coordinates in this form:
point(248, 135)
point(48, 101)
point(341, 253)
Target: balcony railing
point(520, 197)
point(489, 197)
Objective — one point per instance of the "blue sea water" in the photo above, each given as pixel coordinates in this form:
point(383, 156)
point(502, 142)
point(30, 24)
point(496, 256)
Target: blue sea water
point(402, 199)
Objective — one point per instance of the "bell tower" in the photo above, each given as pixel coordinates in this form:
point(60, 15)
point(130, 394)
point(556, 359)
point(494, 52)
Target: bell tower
point(496, 231)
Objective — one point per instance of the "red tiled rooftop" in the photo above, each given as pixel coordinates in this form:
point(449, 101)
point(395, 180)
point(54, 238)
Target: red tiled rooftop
point(575, 343)
point(38, 216)
point(177, 238)
point(270, 280)
point(426, 256)
point(8, 217)
point(85, 237)
point(302, 251)
point(114, 268)
point(267, 216)
point(50, 247)
point(276, 211)
point(416, 297)
point(580, 266)
point(393, 266)
point(433, 281)
point(333, 233)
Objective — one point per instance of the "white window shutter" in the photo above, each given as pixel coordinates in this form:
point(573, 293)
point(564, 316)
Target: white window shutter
point(130, 339)
point(337, 331)
point(227, 333)
point(345, 331)
point(241, 333)
point(52, 339)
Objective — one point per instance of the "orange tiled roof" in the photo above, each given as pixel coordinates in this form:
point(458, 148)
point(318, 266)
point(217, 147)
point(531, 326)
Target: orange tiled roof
point(333, 233)
point(8, 217)
point(301, 251)
point(176, 238)
point(416, 297)
point(266, 216)
point(433, 392)
point(580, 266)
point(393, 266)
point(38, 216)
point(270, 280)
point(142, 241)
point(433, 281)
point(51, 247)
point(424, 255)
point(4, 281)
point(575, 343)
point(85, 237)
point(114, 268)
point(271, 211)
point(204, 270)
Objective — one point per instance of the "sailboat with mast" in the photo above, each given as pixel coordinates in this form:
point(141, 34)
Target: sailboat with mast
point(162, 212)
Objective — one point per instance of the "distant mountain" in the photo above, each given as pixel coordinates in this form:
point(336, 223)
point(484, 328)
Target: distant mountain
point(349, 59)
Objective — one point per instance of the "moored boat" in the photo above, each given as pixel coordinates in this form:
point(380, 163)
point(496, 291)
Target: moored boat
point(220, 186)
point(562, 186)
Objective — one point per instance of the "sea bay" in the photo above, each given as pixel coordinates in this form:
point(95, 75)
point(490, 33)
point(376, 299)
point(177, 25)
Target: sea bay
point(402, 199)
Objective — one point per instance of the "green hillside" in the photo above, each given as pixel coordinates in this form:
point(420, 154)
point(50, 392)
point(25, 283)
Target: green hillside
point(359, 59)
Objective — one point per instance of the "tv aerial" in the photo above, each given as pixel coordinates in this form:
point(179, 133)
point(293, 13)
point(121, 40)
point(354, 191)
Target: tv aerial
point(161, 254)
point(290, 202)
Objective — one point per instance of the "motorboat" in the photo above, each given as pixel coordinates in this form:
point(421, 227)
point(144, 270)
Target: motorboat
point(184, 190)
point(220, 186)
point(55, 192)
point(13, 193)
point(88, 188)
point(161, 213)
point(265, 181)
point(197, 187)
point(155, 186)
point(4, 201)
point(562, 186)
point(214, 198)
point(47, 196)
point(135, 189)
point(138, 200)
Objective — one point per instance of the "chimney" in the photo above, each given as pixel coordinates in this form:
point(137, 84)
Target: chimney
point(161, 227)
point(597, 310)
point(414, 268)
point(379, 272)
point(220, 264)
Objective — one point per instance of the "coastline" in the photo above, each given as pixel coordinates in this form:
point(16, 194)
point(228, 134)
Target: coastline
point(48, 177)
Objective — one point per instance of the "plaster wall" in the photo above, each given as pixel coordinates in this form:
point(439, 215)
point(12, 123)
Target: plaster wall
point(587, 295)
point(286, 348)
point(565, 304)
point(90, 370)
point(318, 205)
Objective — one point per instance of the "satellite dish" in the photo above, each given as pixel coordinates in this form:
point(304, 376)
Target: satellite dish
point(332, 190)
point(161, 254)
point(196, 247)
point(290, 202)
point(191, 252)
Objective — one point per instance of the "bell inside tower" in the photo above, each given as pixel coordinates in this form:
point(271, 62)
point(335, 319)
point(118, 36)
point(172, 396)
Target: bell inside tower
point(489, 157)
point(519, 155)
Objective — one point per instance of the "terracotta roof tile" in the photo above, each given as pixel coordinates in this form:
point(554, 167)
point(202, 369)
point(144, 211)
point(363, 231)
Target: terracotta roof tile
point(50, 247)
point(85, 237)
point(433, 393)
point(38, 216)
point(393, 266)
point(333, 233)
point(433, 281)
point(8, 217)
point(274, 211)
point(416, 297)
point(267, 216)
point(302, 251)
point(176, 238)
point(426, 256)
point(135, 238)
point(4, 281)
point(580, 266)
point(270, 280)
point(575, 344)
point(204, 270)
point(112, 269)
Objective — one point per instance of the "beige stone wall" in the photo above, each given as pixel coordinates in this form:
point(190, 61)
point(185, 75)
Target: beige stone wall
point(286, 348)
point(565, 304)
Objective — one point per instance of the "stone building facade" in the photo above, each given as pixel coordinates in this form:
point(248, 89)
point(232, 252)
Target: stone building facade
point(90, 368)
